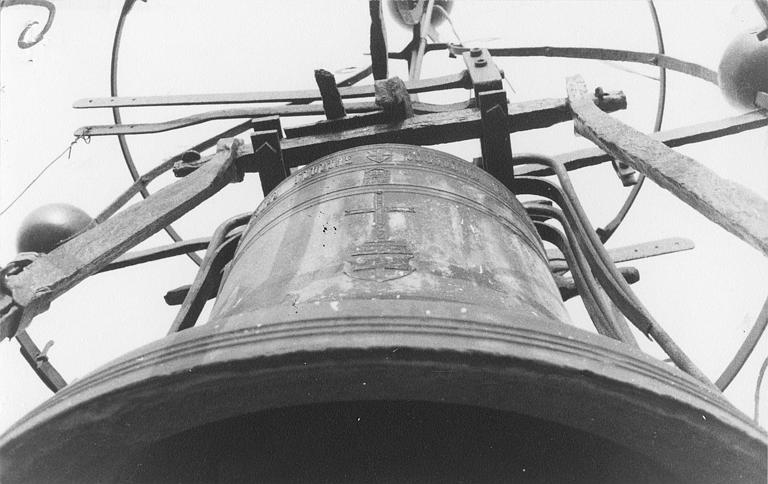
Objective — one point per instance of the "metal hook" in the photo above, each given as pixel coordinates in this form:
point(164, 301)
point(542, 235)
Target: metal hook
point(22, 43)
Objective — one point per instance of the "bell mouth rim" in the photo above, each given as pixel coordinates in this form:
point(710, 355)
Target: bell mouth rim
point(533, 367)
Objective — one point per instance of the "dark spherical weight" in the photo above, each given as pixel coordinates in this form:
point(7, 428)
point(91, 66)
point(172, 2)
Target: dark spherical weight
point(48, 226)
point(402, 11)
point(743, 69)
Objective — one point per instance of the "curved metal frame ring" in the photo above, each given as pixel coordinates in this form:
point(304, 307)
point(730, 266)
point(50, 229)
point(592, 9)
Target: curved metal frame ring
point(127, 5)
point(23, 44)
point(606, 232)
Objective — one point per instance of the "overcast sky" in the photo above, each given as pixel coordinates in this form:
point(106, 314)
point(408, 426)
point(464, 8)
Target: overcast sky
point(707, 299)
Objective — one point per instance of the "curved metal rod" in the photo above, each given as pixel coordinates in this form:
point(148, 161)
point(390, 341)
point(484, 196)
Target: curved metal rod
point(618, 55)
point(759, 383)
point(600, 314)
point(602, 265)
point(283, 110)
point(23, 44)
point(745, 350)
point(606, 232)
point(129, 163)
point(193, 302)
point(38, 361)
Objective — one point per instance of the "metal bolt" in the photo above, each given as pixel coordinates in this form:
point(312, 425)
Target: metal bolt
point(190, 156)
point(475, 52)
point(600, 93)
point(481, 63)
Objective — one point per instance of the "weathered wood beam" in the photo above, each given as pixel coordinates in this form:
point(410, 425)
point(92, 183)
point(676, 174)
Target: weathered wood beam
point(430, 129)
point(452, 81)
point(52, 274)
point(673, 138)
point(730, 205)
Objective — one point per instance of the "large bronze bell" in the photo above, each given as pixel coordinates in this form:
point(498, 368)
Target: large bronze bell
point(389, 316)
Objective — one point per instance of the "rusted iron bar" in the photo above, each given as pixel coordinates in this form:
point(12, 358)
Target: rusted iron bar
point(329, 92)
point(369, 119)
point(611, 281)
point(157, 253)
point(420, 46)
point(649, 58)
point(673, 138)
point(212, 264)
point(38, 361)
point(730, 205)
point(492, 100)
point(272, 168)
point(49, 276)
point(285, 110)
point(568, 287)
point(631, 252)
point(617, 325)
point(378, 38)
point(597, 305)
point(452, 81)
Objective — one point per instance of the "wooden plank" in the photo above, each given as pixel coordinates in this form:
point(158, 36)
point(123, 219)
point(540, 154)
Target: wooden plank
point(630, 252)
point(730, 205)
point(332, 105)
point(52, 274)
point(673, 138)
point(430, 129)
point(459, 80)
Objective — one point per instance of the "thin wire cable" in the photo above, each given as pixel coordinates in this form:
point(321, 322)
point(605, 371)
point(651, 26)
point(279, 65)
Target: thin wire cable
point(127, 5)
point(68, 149)
point(450, 22)
point(606, 232)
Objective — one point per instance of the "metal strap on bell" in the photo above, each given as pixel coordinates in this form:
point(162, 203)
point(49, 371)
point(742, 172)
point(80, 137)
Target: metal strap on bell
point(389, 315)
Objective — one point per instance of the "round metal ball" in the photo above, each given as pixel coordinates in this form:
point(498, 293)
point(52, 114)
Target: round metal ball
point(406, 14)
point(743, 69)
point(48, 226)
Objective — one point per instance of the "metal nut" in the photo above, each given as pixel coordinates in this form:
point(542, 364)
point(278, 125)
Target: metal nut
point(475, 52)
point(481, 63)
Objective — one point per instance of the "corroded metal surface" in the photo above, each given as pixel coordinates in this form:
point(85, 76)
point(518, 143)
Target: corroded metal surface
point(391, 222)
point(386, 302)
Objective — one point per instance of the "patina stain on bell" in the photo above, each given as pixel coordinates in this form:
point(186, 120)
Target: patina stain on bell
point(389, 316)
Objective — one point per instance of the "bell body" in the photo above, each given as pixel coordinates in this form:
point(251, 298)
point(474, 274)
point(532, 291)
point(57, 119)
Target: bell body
point(389, 316)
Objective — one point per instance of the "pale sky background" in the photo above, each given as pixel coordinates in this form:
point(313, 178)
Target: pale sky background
point(707, 299)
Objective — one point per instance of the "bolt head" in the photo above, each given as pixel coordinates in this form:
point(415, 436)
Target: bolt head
point(481, 63)
point(475, 52)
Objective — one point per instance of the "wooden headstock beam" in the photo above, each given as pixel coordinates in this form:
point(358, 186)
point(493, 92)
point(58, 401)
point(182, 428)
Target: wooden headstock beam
point(728, 204)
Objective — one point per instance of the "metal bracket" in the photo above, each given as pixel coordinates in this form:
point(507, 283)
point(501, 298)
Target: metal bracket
point(492, 101)
point(265, 141)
